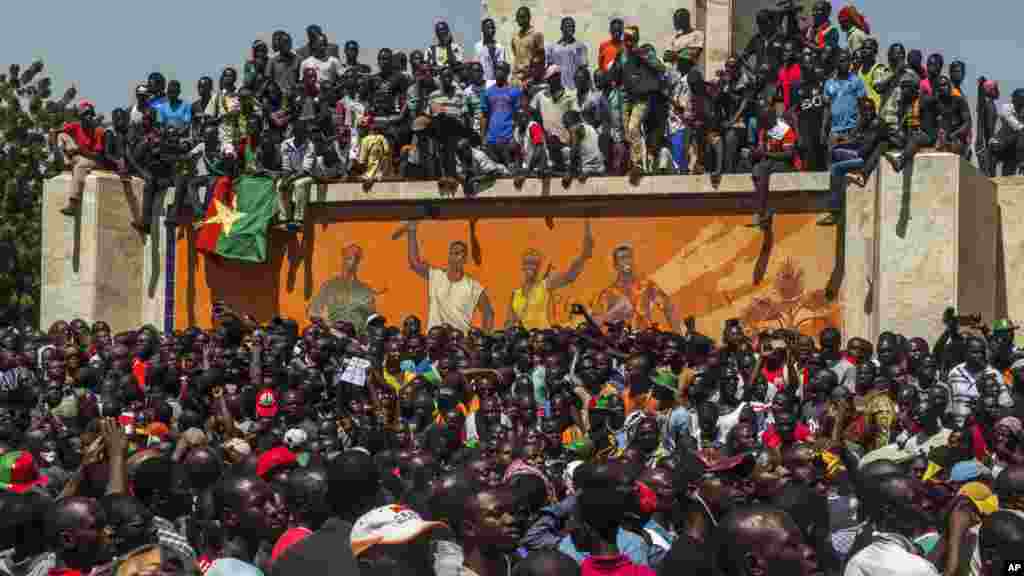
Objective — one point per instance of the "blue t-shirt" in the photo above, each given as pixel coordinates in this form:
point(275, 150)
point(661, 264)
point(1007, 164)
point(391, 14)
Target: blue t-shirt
point(844, 94)
point(499, 102)
point(180, 117)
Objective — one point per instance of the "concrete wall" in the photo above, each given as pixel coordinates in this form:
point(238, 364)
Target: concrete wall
point(955, 238)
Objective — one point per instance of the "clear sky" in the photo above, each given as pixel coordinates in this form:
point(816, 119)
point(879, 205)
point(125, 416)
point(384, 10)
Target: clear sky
point(106, 48)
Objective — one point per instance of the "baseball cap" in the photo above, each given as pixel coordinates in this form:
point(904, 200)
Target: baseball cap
point(968, 470)
point(982, 496)
point(18, 472)
point(394, 524)
point(295, 438)
point(266, 403)
point(274, 458)
point(1002, 325)
point(232, 567)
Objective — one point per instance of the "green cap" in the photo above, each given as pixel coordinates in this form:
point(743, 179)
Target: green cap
point(1002, 325)
point(666, 379)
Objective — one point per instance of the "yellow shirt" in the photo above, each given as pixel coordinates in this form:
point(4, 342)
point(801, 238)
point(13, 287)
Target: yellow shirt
point(375, 155)
point(869, 78)
point(532, 308)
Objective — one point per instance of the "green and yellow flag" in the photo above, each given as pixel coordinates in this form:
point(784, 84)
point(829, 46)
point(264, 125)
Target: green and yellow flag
point(237, 219)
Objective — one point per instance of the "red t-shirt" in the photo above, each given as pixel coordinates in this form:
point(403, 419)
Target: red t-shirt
point(139, 371)
point(775, 377)
point(613, 566)
point(789, 76)
point(771, 438)
point(88, 142)
point(781, 138)
point(536, 133)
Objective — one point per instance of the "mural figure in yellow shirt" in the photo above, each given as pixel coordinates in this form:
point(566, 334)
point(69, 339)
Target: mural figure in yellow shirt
point(530, 306)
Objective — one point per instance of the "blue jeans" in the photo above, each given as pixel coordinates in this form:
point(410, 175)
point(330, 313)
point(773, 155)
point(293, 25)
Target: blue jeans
point(843, 161)
point(678, 143)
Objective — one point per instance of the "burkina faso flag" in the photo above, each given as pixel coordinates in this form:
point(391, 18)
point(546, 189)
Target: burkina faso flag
point(237, 219)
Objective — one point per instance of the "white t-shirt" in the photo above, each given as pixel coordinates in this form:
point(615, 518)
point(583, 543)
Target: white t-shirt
point(327, 70)
point(452, 302)
point(887, 557)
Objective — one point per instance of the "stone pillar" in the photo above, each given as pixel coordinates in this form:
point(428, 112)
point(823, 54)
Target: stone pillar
point(92, 264)
point(937, 231)
point(718, 35)
point(1010, 287)
point(860, 255)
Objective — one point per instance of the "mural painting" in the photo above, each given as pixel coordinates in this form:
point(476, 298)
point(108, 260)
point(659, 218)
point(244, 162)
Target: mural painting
point(500, 272)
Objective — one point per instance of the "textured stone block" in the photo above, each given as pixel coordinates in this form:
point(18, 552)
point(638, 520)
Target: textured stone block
point(91, 264)
point(860, 253)
point(933, 248)
point(1010, 264)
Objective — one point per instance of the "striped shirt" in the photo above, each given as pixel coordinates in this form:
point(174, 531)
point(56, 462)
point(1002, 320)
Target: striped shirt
point(964, 391)
point(453, 105)
point(167, 535)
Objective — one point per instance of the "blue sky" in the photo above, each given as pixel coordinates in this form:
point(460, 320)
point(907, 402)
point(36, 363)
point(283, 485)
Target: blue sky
point(106, 48)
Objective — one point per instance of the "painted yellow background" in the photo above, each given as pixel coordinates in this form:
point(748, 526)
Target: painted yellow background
point(704, 263)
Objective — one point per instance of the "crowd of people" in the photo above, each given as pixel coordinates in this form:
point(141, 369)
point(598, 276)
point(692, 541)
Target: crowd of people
point(798, 97)
point(253, 448)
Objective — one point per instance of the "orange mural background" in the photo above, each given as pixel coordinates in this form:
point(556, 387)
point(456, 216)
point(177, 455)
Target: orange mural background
point(704, 263)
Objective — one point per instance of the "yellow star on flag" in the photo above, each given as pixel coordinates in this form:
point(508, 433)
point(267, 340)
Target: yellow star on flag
point(226, 215)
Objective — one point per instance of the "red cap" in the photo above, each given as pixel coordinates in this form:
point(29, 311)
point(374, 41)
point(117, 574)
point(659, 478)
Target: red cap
point(274, 458)
point(291, 537)
point(266, 403)
point(18, 472)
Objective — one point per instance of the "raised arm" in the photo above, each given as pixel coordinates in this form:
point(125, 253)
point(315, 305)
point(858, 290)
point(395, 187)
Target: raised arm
point(560, 280)
point(511, 318)
point(417, 265)
point(486, 311)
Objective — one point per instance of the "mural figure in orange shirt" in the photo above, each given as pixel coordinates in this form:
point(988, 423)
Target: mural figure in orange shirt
point(630, 299)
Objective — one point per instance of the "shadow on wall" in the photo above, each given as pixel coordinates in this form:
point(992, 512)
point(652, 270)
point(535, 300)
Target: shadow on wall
point(260, 280)
point(1002, 299)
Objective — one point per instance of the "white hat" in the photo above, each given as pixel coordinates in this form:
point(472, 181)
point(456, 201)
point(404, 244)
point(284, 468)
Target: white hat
point(394, 524)
point(295, 438)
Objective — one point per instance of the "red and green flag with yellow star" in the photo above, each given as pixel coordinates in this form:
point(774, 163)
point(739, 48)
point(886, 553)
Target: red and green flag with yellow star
point(237, 219)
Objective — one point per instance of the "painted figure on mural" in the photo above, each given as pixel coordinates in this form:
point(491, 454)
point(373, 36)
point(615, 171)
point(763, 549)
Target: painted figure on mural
point(452, 295)
point(630, 299)
point(531, 303)
point(345, 297)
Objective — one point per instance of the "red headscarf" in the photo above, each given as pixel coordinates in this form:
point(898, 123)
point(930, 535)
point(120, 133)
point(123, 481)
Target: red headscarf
point(851, 14)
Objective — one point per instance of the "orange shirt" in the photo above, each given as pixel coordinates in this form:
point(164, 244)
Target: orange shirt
point(642, 296)
point(607, 54)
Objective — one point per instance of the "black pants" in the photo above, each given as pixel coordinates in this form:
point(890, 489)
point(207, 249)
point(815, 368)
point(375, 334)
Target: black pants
point(763, 171)
point(727, 149)
point(447, 132)
point(915, 140)
point(186, 192)
point(1009, 150)
point(504, 153)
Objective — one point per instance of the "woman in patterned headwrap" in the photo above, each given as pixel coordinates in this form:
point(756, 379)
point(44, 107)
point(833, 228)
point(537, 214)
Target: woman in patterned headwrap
point(1008, 444)
point(856, 27)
